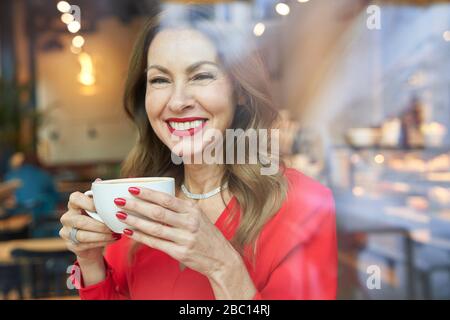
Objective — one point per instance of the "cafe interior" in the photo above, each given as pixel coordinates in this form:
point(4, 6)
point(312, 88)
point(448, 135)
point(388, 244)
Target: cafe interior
point(363, 89)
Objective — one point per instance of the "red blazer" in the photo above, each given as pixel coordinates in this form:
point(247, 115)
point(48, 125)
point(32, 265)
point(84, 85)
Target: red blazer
point(296, 257)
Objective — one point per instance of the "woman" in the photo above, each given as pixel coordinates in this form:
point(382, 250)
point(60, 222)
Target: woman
point(230, 232)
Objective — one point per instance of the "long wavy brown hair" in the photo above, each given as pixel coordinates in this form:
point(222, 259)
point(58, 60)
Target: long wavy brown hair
point(259, 196)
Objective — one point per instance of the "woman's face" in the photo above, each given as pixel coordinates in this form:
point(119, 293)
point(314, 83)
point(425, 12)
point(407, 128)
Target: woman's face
point(187, 91)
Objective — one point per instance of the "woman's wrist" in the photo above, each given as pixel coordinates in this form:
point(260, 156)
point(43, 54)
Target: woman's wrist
point(232, 281)
point(90, 262)
point(93, 271)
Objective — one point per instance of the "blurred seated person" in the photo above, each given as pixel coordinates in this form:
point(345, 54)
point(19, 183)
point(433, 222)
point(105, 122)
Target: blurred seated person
point(7, 206)
point(7, 197)
point(37, 194)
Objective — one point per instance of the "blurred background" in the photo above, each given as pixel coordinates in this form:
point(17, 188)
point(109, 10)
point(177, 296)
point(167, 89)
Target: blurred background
point(363, 89)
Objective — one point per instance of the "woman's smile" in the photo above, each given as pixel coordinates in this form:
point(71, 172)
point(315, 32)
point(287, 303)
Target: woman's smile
point(183, 127)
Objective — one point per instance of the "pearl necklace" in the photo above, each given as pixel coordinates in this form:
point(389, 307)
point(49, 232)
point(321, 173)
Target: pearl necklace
point(202, 196)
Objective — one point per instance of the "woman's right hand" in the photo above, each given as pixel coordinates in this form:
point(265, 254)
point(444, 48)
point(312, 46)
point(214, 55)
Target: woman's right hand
point(92, 235)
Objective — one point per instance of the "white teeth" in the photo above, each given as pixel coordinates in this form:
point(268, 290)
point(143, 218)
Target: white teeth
point(186, 125)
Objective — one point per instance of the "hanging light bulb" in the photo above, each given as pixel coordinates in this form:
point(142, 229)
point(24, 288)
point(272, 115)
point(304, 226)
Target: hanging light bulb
point(75, 50)
point(282, 9)
point(74, 26)
point(78, 41)
point(259, 29)
point(63, 6)
point(67, 18)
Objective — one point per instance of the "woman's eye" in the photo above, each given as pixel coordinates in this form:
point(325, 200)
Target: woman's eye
point(159, 82)
point(203, 78)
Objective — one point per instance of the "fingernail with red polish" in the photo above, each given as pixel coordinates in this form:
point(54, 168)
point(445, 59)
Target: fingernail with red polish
point(117, 236)
point(128, 232)
point(120, 202)
point(134, 190)
point(121, 215)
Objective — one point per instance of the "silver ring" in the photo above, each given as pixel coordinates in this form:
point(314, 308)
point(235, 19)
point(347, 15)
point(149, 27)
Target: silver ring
point(73, 235)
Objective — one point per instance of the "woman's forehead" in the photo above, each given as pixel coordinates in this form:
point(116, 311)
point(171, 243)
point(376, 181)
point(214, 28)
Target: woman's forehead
point(181, 46)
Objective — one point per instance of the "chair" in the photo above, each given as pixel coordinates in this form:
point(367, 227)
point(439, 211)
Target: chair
point(45, 272)
point(10, 279)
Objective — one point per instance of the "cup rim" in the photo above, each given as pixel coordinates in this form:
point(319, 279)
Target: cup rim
point(137, 180)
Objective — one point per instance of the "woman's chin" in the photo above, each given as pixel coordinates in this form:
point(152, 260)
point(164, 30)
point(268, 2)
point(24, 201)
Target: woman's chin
point(193, 156)
point(189, 156)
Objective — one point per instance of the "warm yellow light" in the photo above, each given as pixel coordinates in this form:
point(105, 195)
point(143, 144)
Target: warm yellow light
point(88, 90)
point(63, 6)
point(282, 9)
point(67, 18)
point(379, 158)
point(86, 76)
point(446, 35)
point(75, 50)
point(433, 128)
point(78, 41)
point(259, 29)
point(74, 26)
point(86, 79)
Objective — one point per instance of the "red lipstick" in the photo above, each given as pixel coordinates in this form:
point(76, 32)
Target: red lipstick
point(185, 119)
point(185, 133)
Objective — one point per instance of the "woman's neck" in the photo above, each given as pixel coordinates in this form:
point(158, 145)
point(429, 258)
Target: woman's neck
point(202, 178)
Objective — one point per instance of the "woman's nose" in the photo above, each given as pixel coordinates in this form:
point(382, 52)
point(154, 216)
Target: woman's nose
point(180, 99)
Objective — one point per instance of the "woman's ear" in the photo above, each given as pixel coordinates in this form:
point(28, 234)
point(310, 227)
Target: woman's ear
point(242, 100)
point(239, 95)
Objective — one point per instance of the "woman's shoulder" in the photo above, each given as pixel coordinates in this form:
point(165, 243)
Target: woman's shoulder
point(305, 192)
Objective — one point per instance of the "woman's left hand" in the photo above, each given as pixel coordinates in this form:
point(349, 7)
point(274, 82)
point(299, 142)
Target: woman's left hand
point(179, 228)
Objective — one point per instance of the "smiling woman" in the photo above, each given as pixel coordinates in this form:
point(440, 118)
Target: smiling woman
point(230, 232)
point(201, 71)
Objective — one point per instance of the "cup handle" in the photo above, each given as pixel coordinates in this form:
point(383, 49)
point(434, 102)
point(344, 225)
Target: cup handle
point(92, 214)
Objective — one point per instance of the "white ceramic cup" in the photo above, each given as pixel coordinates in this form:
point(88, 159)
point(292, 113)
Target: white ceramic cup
point(105, 191)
